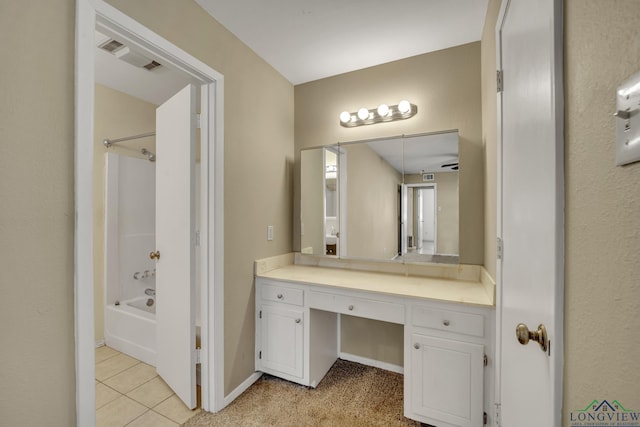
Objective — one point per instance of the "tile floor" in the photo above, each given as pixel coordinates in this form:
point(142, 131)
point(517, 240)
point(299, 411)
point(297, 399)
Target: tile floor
point(130, 393)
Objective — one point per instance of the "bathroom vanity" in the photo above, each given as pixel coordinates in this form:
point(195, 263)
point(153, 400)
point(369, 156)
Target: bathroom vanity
point(448, 330)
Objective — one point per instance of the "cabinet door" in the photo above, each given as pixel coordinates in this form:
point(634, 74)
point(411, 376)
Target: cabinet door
point(446, 381)
point(281, 339)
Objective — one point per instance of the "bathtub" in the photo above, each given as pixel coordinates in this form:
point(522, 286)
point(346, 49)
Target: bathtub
point(130, 327)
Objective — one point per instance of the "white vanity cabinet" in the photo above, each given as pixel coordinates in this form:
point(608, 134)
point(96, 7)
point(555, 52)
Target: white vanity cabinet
point(281, 345)
point(446, 353)
point(280, 330)
point(447, 343)
point(292, 341)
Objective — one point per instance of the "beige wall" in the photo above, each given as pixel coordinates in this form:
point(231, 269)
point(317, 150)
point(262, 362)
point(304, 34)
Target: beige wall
point(445, 85)
point(37, 370)
point(116, 115)
point(372, 200)
point(258, 157)
point(602, 292)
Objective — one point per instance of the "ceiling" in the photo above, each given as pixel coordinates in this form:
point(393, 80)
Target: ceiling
point(420, 153)
point(307, 40)
point(155, 86)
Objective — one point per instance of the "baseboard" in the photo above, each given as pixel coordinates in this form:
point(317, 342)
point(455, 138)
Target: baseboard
point(241, 388)
point(100, 343)
point(371, 362)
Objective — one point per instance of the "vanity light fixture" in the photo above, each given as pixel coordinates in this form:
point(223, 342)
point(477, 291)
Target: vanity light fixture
point(383, 110)
point(383, 113)
point(363, 114)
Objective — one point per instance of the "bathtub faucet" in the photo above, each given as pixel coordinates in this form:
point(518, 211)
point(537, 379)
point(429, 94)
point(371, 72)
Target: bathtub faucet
point(150, 292)
point(145, 274)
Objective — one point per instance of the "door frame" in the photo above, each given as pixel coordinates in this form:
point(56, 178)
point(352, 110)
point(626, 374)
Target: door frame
point(558, 106)
point(96, 14)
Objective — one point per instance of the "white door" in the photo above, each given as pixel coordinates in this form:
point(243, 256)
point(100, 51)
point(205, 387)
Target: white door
point(530, 218)
point(175, 241)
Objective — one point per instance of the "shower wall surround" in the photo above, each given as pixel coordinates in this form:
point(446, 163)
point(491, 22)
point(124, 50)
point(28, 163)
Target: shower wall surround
point(130, 227)
point(116, 114)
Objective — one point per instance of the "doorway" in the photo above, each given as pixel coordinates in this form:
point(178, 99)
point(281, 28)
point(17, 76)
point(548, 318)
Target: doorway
point(428, 223)
point(97, 15)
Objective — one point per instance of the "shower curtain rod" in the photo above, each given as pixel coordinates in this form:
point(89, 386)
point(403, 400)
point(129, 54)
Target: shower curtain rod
point(109, 142)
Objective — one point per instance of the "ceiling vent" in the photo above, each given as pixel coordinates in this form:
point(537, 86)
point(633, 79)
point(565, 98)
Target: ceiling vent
point(151, 65)
point(111, 45)
point(132, 57)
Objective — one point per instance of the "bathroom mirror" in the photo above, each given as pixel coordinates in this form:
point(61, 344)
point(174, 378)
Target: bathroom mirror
point(430, 208)
point(320, 207)
point(392, 199)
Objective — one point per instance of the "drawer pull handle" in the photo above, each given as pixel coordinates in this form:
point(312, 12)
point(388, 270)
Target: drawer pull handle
point(297, 320)
point(350, 308)
point(279, 296)
point(416, 346)
point(446, 322)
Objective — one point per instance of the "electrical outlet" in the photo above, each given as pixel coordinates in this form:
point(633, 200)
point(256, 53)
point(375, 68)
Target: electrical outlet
point(269, 232)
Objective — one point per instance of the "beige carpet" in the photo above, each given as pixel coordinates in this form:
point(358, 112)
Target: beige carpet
point(350, 395)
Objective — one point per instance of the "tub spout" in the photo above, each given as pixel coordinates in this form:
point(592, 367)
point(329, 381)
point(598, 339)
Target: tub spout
point(150, 292)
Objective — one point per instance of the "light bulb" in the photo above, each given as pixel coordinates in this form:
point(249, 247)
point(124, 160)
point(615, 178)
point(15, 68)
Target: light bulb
point(404, 106)
point(345, 117)
point(363, 113)
point(383, 110)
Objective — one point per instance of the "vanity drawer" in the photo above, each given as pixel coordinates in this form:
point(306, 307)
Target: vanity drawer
point(450, 321)
point(355, 306)
point(278, 293)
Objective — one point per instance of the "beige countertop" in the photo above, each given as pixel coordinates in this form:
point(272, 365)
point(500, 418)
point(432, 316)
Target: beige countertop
point(456, 291)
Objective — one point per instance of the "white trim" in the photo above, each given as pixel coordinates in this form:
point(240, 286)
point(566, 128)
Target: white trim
point(498, 333)
point(342, 204)
point(92, 14)
point(371, 362)
point(100, 344)
point(83, 238)
point(242, 387)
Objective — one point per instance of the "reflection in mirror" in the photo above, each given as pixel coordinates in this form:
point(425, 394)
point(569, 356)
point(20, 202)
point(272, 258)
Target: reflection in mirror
point(385, 199)
point(319, 206)
point(373, 172)
point(331, 223)
point(430, 199)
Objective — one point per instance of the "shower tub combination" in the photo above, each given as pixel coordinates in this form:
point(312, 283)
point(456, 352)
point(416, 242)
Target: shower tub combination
point(131, 328)
point(130, 282)
point(130, 323)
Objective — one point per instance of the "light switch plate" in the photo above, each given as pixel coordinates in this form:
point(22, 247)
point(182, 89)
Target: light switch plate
point(270, 232)
point(628, 121)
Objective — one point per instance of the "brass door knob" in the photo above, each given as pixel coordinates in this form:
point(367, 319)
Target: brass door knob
point(524, 335)
point(154, 255)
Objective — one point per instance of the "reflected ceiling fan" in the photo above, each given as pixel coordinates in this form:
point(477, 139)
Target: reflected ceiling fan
point(452, 166)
